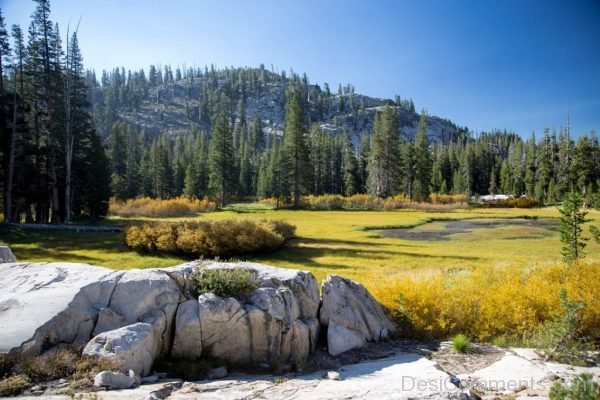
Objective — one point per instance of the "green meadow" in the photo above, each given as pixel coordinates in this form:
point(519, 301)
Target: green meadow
point(348, 243)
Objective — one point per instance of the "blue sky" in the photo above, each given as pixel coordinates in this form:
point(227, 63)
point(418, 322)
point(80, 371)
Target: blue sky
point(514, 64)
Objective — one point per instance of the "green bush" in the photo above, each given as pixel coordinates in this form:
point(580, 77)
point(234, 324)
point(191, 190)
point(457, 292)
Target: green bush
point(6, 364)
point(237, 283)
point(582, 388)
point(223, 238)
point(560, 338)
point(13, 385)
point(461, 343)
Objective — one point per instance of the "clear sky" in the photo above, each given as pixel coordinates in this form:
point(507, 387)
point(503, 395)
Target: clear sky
point(514, 64)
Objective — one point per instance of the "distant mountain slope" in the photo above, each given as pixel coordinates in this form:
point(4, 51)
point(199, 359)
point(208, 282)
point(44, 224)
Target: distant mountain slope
point(175, 105)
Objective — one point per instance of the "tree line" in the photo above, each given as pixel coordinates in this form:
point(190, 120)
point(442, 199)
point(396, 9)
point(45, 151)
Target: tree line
point(54, 167)
point(57, 167)
point(238, 161)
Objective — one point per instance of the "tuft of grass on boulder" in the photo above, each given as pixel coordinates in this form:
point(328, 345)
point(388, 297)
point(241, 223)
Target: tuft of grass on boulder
point(236, 283)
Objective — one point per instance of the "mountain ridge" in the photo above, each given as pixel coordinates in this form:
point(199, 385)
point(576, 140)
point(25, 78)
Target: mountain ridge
point(179, 103)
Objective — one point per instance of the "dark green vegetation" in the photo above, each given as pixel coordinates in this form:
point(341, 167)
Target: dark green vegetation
point(54, 167)
point(571, 221)
point(583, 387)
point(237, 283)
point(561, 337)
point(224, 238)
point(239, 134)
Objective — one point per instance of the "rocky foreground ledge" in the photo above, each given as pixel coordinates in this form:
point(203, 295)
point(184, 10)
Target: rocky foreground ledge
point(132, 317)
point(135, 316)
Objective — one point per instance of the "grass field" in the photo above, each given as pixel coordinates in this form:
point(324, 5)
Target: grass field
point(340, 242)
point(510, 274)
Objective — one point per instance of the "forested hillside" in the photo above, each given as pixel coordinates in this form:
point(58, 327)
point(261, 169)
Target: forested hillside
point(70, 140)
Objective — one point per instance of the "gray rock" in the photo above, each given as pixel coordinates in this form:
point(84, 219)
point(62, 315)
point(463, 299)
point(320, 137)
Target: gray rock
point(352, 315)
point(333, 375)
point(61, 302)
point(115, 380)
point(266, 331)
point(218, 373)
point(134, 347)
point(225, 328)
point(188, 336)
point(108, 320)
point(6, 255)
point(67, 303)
point(341, 339)
point(150, 379)
point(314, 329)
point(147, 294)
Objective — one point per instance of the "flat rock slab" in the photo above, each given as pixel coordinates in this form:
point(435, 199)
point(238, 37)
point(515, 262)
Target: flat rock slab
point(402, 376)
point(522, 371)
point(42, 299)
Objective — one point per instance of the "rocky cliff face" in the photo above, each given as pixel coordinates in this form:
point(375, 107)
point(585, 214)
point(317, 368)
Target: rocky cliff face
point(176, 106)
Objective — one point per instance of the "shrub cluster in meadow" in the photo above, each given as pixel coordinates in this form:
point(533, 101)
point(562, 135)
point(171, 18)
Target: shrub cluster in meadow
point(512, 302)
point(515, 202)
point(147, 207)
point(369, 202)
point(223, 238)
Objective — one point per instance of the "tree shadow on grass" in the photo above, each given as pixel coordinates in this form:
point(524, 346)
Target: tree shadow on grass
point(307, 251)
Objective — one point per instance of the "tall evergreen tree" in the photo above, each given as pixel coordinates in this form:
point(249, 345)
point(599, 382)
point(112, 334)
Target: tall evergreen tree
point(221, 160)
point(422, 160)
point(384, 172)
point(570, 227)
point(295, 150)
point(351, 173)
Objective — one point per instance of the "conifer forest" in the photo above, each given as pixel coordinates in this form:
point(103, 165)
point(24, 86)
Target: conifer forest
point(72, 138)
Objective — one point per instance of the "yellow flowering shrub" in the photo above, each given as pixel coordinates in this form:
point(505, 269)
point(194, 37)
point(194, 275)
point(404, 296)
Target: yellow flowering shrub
point(148, 207)
point(490, 302)
point(222, 238)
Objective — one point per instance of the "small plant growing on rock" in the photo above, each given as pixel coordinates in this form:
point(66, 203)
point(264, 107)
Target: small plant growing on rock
point(280, 380)
point(582, 388)
point(461, 343)
point(237, 283)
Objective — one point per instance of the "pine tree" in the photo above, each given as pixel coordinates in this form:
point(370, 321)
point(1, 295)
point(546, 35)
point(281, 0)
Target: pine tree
point(351, 180)
point(384, 172)
point(221, 160)
point(295, 150)
point(408, 166)
point(573, 217)
point(530, 171)
point(506, 179)
point(422, 161)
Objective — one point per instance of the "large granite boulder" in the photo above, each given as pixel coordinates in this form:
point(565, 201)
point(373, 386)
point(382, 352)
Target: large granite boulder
point(352, 315)
point(133, 347)
point(48, 303)
point(134, 316)
point(276, 324)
